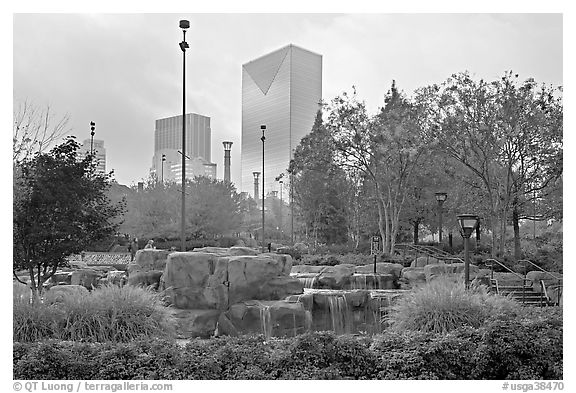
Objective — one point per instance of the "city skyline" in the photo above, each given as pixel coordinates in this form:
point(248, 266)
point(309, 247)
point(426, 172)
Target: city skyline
point(124, 71)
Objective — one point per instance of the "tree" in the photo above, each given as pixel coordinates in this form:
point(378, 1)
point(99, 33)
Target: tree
point(506, 134)
point(214, 207)
point(386, 148)
point(35, 130)
point(320, 186)
point(60, 206)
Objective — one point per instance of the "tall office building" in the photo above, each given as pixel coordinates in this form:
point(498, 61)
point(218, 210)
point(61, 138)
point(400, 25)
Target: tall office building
point(168, 143)
point(99, 153)
point(281, 90)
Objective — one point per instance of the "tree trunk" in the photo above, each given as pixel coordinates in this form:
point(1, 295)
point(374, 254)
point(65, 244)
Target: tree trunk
point(516, 224)
point(416, 226)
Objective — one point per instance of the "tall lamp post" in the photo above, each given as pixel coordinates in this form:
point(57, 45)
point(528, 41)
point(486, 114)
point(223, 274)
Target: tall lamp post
point(263, 139)
point(440, 197)
point(92, 128)
point(281, 182)
point(184, 25)
point(163, 159)
point(468, 223)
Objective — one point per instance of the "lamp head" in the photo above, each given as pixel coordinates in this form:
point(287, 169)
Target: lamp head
point(184, 24)
point(263, 127)
point(441, 196)
point(468, 223)
point(256, 175)
point(227, 145)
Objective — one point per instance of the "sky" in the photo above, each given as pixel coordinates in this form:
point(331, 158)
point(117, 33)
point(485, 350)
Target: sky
point(124, 71)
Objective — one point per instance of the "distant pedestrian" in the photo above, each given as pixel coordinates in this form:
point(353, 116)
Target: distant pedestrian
point(133, 247)
point(269, 247)
point(150, 244)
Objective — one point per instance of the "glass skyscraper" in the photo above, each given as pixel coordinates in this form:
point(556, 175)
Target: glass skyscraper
point(281, 90)
point(168, 141)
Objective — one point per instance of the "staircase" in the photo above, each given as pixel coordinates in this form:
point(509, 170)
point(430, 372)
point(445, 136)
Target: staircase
point(523, 294)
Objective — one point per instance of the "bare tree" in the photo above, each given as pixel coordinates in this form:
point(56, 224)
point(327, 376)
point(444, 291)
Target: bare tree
point(36, 129)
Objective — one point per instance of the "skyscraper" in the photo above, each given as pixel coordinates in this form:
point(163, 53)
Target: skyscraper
point(99, 153)
point(168, 142)
point(281, 90)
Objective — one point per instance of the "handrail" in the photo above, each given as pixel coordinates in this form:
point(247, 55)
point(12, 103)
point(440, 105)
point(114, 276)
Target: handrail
point(539, 268)
point(506, 267)
point(454, 258)
point(545, 291)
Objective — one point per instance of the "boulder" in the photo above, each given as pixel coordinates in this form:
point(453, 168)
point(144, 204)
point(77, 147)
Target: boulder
point(372, 281)
point(221, 251)
point(433, 271)
point(413, 276)
point(150, 259)
point(88, 278)
point(535, 277)
point(61, 278)
point(21, 292)
point(197, 280)
point(271, 318)
point(423, 261)
point(306, 269)
point(60, 292)
point(239, 251)
point(279, 288)
point(195, 323)
point(248, 275)
point(382, 267)
point(117, 277)
point(336, 277)
point(285, 260)
point(145, 279)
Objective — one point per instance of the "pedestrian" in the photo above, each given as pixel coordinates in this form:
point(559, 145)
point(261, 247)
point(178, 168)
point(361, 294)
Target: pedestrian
point(269, 247)
point(133, 247)
point(150, 244)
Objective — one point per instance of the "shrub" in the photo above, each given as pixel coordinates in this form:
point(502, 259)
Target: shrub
point(109, 313)
point(444, 305)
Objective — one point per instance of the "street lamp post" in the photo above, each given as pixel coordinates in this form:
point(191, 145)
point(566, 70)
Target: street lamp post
point(163, 159)
point(468, 223)
point(440, 197)
point(263, 139)
point(281, 182)
point(184, 25)
point(92, 128)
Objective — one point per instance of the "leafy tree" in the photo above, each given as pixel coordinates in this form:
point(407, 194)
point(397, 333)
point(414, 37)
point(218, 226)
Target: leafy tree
point(213, 207)
point(506, 134)
point(320, 186)
point(386, 148)
point(59, 207)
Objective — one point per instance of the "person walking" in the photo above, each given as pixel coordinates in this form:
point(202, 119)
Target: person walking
point(133, 247)
point(150, 244)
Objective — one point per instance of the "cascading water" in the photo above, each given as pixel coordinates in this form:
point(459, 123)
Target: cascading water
point(339, 314)
point(265, 321)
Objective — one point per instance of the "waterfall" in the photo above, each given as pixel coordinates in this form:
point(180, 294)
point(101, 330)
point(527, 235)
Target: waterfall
point(308, 281)
point(339, 314)
point(265, 321)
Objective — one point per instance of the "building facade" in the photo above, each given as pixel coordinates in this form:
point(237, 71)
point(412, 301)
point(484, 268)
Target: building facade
point(281, 90)
point(99, 153)
point(168, 143)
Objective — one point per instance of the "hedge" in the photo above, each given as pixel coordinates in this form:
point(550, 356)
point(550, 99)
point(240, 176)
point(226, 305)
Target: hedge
point(516, 348)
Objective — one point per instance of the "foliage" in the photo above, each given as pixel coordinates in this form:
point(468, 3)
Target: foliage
point(60, 205)
point(444, 305)
point(320, 186)
point(528, 346)
point(110, 313)
point(213, 208)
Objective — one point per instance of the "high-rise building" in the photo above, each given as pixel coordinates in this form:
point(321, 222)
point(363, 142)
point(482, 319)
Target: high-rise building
point(99, 153)
point(281, 90)
point(168, 143)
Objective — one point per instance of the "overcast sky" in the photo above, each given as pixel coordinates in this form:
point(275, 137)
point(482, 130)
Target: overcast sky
point(124, 71)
